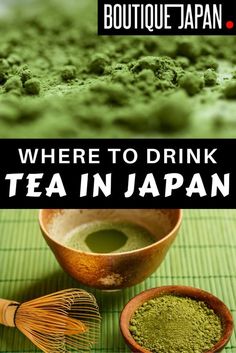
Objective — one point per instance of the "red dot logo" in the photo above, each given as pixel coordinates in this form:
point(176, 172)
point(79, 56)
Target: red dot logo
point(230, 24)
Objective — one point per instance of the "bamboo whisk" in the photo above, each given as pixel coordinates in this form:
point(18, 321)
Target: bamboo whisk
point(60, 322)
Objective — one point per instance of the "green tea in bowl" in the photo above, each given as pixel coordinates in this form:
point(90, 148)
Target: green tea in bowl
point(110, 249)
point(108, 237)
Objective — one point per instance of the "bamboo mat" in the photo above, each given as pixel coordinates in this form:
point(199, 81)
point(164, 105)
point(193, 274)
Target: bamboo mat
point(204, 255)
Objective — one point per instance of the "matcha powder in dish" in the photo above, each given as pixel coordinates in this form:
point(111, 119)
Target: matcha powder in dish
point(174, 324)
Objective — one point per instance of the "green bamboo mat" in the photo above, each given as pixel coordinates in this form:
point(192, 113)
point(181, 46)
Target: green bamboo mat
point(203, 256)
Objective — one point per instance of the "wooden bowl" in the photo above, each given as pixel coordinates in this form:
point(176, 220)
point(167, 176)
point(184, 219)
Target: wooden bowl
point(198, 294)
point(111, 271)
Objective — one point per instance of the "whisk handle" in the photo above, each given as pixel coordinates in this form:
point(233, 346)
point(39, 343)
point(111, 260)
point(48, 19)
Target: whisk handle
point(7, 312)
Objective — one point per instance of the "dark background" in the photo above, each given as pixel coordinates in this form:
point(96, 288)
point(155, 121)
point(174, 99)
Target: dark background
point(10, 163)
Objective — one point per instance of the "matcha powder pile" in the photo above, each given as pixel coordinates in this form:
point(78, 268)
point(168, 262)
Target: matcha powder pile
point(58, 78)
point(172, 324)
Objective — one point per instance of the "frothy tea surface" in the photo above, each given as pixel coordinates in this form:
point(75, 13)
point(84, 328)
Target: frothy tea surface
point(108, 237)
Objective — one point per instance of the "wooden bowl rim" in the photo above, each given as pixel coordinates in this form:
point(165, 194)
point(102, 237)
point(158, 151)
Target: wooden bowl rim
point(196, 293)
point(167, 236)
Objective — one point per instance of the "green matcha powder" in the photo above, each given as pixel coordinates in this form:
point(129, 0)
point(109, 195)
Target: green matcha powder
point(58, 78)
point(172, 324)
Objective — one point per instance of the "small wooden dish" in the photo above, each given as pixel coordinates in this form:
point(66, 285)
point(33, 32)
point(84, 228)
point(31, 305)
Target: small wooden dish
point(214, 303)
